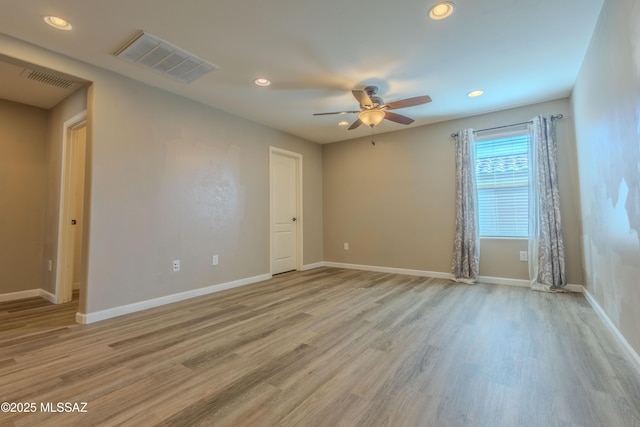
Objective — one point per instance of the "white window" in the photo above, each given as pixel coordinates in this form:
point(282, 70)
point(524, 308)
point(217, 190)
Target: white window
point(502, 172)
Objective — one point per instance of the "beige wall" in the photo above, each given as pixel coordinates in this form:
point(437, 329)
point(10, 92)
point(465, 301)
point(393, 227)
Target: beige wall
point(169, 179)
point(23, 131)
point(606, 101)
point(394, 202)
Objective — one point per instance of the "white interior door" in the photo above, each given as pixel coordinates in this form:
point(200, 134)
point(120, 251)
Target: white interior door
point(71, 219)
point(285, 211)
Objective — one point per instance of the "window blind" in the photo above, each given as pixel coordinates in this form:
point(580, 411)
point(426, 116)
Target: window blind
point(502, 173)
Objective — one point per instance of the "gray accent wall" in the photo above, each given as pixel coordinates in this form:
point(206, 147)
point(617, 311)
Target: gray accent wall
point(606, 102)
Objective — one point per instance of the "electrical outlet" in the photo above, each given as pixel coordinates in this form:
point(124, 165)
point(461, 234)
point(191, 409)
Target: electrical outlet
point(345, 246)
point(215, 260)
point(524, 256)
point(176, 265)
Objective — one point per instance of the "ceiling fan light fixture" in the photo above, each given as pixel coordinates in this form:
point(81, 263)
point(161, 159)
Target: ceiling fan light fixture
point(371, 118)
point(441, 10)
point(57, 23)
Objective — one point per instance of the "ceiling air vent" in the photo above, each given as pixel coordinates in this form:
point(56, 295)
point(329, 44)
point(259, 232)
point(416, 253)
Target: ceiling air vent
point(45, 78)
point(151, 52)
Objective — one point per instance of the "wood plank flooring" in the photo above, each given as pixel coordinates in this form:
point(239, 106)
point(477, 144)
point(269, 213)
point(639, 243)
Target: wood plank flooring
point(326, 347)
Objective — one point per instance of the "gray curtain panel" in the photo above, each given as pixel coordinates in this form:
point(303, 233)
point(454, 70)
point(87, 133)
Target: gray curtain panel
point(546, 245)
point(466, 249)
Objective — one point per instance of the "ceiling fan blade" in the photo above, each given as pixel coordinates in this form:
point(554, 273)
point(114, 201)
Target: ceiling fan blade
point(398, 118)
point(409, 102)
point(355, 124)
point(362, 98)
point(336, 112)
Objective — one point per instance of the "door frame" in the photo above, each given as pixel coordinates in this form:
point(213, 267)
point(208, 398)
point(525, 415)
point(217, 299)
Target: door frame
point(64, 287)
point(300, 219)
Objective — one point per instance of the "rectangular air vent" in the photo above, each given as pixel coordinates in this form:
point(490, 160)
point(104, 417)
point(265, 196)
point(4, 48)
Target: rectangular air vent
point(45, 78)
point(151, 52)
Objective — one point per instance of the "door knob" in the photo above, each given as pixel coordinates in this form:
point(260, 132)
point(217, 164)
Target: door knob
point(294, 219)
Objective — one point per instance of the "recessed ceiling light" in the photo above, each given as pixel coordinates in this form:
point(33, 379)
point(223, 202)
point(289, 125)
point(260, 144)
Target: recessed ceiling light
point(58, 23)
point(475, 93)
point(262, 82)
point(441, 10)
point(343, 123)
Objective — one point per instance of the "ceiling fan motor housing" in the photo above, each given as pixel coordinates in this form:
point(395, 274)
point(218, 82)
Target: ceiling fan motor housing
point(371, 90)
point(377, 101)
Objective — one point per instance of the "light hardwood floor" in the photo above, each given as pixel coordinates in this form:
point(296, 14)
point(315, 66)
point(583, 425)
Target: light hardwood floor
point(326, 347)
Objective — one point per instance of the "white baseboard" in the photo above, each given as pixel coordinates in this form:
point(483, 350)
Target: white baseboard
point(48, 296)
point(520, 282)
point(575, 288)
point(437, 274)
point(633, 357)
point(503, 281)
point(31, 293)
point(85, 318)
point(11, 296)
point(421, 273)
point(312, 266)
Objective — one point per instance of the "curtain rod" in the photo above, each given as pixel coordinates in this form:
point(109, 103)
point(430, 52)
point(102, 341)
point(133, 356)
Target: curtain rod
point(558, 117)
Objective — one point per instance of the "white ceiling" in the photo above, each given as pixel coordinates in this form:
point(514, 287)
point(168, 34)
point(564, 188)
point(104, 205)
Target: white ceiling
point(518, 51)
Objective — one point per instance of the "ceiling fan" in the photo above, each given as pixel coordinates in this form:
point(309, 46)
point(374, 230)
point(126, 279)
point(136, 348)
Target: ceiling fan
point(373, 109)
